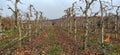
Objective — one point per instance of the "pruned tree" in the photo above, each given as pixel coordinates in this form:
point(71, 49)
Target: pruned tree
point(17, 20)
point(69, 20)
point(16, 12)
point(36, 21)
point(104, 8)
point(29, 20)
point(44, 19)
point(102, 22)
point(41, 19)
point(68, 16)
point(116, 21)
point(74, 20)
point(85, 12)
point(61, 21)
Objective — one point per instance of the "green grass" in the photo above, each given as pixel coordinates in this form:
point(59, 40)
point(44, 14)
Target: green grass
point(51, 38)
point(54, 47)
point(55, 50)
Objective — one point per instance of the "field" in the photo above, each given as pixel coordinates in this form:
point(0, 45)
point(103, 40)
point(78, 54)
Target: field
point(80, 31)
point(57, 40)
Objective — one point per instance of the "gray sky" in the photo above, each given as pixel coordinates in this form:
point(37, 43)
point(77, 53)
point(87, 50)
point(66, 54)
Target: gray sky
point(52, 9)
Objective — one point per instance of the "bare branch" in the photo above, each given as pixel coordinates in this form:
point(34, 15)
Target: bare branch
point(96, 14)
point(11, 9)
point(82, 9)
point(91, 2)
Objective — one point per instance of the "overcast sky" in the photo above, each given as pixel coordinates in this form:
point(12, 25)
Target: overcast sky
point(52, 9)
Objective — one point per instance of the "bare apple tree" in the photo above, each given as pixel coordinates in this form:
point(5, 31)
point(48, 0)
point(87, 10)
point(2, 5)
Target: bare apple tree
point(74, 19)
point(85, 12)
point(68, 16)
point(17, 20)
point(102, 22)
point(29, 19)
point(116, 20)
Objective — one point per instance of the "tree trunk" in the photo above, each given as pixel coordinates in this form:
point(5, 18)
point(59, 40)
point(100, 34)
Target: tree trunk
point(36, 22)
point(0, 26)
point(116, 24)
point(75, 28)
point(86, 30)
point(16, 15)
point(102, 21)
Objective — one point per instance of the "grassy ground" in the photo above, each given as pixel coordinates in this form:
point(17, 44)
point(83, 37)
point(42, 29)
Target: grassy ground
point(57, 41)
